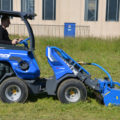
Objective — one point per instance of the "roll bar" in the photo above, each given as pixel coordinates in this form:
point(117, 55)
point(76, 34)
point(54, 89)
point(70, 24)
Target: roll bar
point(24, 16)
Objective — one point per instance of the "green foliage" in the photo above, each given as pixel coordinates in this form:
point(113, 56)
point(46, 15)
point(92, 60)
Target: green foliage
point(43, 107)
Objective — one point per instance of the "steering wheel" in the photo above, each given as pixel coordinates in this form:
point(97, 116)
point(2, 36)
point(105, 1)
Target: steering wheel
point(24, 42)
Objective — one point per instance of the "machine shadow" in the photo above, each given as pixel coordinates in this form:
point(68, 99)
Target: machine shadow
point(91, 94)
point(34, 98)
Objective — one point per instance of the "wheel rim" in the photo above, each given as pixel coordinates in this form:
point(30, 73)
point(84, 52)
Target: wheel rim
point(13, 92)
point(72, 94)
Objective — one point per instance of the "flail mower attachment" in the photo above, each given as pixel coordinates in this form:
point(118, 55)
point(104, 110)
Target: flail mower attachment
point(107, 87)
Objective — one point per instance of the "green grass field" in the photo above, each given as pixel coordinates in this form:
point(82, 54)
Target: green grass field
point(43, 107)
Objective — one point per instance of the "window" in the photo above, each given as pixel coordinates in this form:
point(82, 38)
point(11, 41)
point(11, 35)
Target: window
point(49, 10)
point(91, 10)
point(27, 6)
point(6, 5)
point(112, 10)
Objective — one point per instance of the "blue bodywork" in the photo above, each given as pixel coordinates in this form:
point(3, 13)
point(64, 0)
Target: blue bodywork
point(58, 60)
point(24, 55)
point(111, 95)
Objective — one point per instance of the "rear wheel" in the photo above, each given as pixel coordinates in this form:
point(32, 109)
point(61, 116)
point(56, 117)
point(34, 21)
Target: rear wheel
point(71, 91)
point(13, 90)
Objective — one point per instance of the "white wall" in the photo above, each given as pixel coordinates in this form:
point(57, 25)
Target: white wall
point(72, 11)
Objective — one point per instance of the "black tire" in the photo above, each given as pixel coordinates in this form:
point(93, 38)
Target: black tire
point(13, 90)
point(75, 88)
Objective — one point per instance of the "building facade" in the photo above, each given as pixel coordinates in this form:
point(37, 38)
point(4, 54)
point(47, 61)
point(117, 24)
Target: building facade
point(97, 18)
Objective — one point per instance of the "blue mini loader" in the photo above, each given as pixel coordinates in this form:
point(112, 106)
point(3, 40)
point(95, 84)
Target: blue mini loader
point(20, 74)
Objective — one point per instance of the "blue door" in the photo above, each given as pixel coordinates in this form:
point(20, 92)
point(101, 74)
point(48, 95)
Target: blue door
point(69, 29)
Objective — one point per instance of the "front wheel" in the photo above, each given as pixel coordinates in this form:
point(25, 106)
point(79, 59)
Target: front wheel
point(71, 91)
point(13, 90)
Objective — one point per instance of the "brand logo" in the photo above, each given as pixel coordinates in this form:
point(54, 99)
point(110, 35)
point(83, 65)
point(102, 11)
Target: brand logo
point(4, 56)
point(60, 68)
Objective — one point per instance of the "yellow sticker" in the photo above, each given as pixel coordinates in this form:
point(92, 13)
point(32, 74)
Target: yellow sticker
point(107, 93)
point(109, 104)
point(117, 97)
